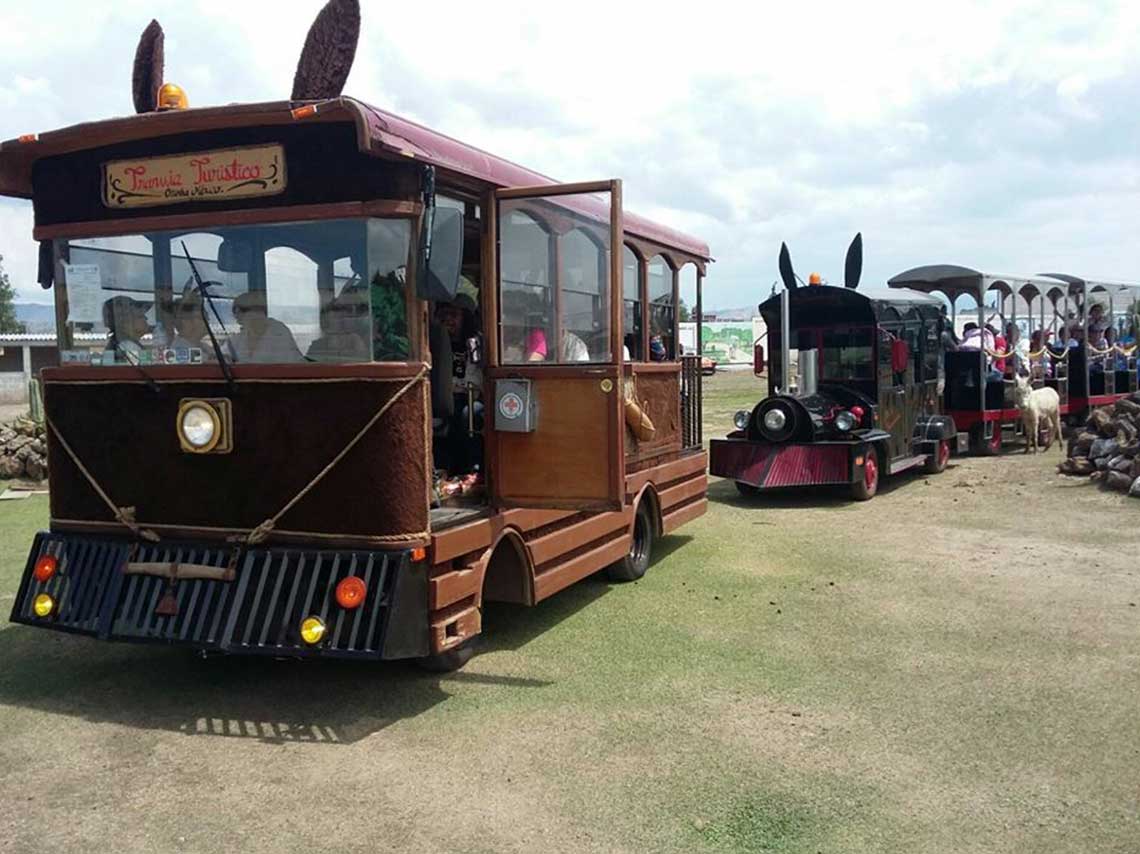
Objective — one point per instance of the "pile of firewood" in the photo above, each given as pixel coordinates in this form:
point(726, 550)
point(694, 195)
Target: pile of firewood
point(1108, 448)
point(23, 451)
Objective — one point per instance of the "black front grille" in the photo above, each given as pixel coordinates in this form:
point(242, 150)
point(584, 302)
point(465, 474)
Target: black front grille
point(259, 611)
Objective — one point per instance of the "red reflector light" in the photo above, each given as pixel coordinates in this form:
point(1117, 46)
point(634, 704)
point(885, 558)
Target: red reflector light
point(27, 137)
point(858, 412)
point(304, 112)
point(350, 592)
point(45, 568)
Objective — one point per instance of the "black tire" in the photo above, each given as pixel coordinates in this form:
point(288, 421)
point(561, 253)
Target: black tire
point(936, 462)
point(865, 487)
point(451, 660)
point(746, 489)
point(636, 562)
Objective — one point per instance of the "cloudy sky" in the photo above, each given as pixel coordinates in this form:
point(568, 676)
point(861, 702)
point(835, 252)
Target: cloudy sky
point(1000, 135)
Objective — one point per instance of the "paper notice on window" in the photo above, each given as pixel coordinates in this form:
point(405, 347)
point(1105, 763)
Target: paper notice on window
point(84, 293)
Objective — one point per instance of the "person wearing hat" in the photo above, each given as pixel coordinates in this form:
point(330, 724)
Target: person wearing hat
point(125, 318)
point(345, 328)
point(262, 339)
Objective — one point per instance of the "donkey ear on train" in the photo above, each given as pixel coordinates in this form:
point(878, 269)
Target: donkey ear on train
point(786, 271)
point(853, 268)
point(329, 50)
point(146, 76)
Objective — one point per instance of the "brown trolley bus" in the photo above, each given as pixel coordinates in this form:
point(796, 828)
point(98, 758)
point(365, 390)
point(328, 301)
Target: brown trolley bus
point(314, 309)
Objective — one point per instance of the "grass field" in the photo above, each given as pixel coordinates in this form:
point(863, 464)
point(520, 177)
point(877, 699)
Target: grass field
point(951, 667)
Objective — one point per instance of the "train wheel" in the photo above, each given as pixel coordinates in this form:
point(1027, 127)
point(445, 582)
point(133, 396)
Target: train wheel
point(979, 444)
point(865, 488)
point(452, 660)
point(936, 462)
point(633, 565)
point(747, 489)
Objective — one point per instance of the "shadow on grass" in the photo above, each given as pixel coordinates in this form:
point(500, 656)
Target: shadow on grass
point(274, 700)
point(511, 627)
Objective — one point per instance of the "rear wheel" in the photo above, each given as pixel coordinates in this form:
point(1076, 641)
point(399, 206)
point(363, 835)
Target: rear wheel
point(936, 462)
point(636, 562)
point(865, 487)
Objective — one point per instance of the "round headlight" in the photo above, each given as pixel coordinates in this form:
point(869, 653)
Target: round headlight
point(845, 421)
point(775, 419)
point(740, 419)
point(199, 426)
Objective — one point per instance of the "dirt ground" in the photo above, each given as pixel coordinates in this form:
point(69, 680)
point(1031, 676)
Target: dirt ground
point(950, 667)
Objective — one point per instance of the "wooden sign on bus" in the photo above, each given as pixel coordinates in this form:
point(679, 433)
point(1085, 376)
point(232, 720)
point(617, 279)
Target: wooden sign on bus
point(231, 173)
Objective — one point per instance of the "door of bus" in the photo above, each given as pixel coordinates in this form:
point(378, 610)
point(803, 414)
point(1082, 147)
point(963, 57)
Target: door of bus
point(556, 411)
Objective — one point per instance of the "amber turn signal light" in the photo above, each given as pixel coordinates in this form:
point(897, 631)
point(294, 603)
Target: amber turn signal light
point(312, 630)
point(350, 592)
point(43, 605)
point(45, 568)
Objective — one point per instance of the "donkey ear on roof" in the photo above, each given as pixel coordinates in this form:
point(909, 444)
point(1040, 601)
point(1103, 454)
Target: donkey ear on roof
point(146, 76)
point(853, 269)
point(329, 50)
point(786, 272)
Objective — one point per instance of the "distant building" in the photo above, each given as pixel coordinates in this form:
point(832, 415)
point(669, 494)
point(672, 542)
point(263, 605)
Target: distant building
point(24, 354)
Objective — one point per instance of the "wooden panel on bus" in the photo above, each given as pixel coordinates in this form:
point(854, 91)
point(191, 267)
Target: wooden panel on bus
point(285, 431)
point(657, 389)
point(566, 461)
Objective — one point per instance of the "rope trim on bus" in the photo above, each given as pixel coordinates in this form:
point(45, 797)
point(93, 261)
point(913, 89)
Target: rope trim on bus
point(125, 516)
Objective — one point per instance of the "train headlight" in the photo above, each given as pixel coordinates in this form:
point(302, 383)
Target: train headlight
point(775, 419)
point(740, 419)
point(845, 421)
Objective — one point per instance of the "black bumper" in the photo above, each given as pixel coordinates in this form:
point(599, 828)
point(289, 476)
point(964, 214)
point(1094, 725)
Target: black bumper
point(259, 612)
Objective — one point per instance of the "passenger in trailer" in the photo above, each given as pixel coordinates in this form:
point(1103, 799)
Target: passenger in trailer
point(262, 338)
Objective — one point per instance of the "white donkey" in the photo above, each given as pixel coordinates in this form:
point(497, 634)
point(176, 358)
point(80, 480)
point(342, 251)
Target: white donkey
point(1040, 407)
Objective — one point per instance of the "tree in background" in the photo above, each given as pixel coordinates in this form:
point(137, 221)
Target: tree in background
point(686, 315)
point(8, 321)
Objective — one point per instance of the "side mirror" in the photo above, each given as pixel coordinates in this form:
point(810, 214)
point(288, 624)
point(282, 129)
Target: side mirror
point(758, 358)
point(235, 256)
point(439, 278)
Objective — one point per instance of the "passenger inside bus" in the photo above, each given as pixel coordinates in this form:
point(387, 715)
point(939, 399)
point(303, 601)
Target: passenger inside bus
point(126, 319)
point(457, 410)
point(344, 328)
point(261, 339)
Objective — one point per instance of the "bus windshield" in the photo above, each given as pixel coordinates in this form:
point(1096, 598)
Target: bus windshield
point(321, 291)
point(846, 355)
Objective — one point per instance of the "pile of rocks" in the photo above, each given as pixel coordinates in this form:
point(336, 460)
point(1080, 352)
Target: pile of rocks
point(23, 450)
point(1108, 448)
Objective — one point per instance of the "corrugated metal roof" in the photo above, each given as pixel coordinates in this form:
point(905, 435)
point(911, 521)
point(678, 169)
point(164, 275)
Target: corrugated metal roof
point(48, 338)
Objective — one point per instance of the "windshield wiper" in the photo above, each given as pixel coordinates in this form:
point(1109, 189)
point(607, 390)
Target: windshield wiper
point(134, 362)
point(207, 297)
